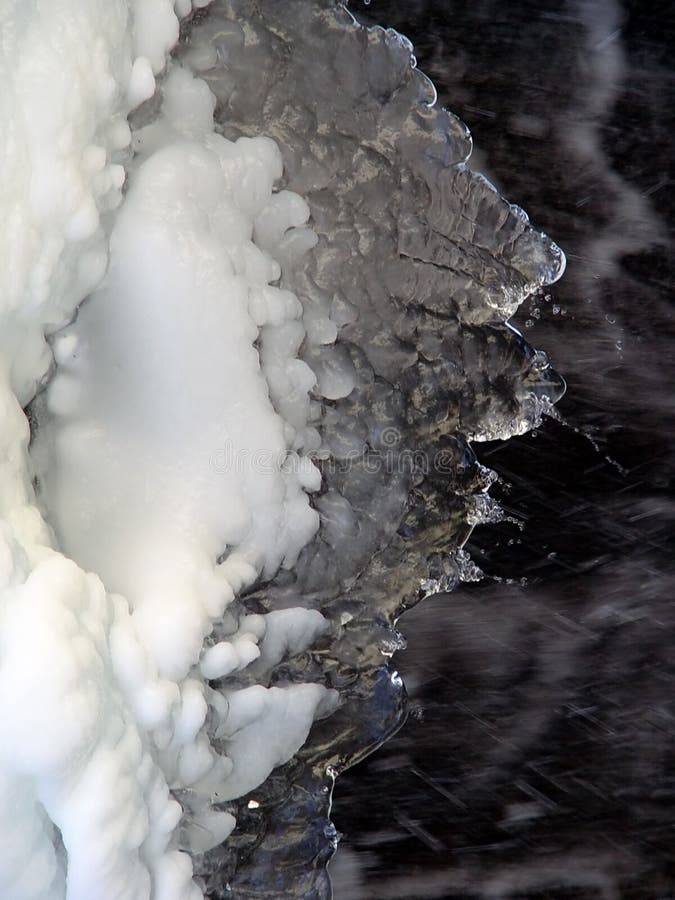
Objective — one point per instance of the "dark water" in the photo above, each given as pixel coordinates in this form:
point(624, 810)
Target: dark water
point(538, 758)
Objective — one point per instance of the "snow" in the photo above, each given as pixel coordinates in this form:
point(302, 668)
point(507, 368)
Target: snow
point(137, 283)
point(161, 375)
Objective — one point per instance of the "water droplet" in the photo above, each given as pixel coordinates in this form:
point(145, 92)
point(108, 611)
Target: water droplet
point(610, 319)
point(556, 310)
point(619, 345)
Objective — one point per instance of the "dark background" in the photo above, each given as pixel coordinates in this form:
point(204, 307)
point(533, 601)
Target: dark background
point(538, 759)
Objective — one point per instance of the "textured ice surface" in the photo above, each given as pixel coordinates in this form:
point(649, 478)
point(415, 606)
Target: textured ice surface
point(418, 266)
point(157, 376)
point(74, 772)
point(105, 707)
point(231, 340)
point(164, 467)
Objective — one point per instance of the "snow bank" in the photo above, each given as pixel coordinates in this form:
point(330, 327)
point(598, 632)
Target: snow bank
point(170, 462)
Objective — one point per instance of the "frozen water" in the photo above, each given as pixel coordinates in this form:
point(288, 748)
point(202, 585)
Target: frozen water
point(101, 710)
point(418, 265)
point(308, 298)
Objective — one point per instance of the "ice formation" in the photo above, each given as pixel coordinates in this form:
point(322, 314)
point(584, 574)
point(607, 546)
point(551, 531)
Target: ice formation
point(419, 264)
point(107, 613)
point(211, 324)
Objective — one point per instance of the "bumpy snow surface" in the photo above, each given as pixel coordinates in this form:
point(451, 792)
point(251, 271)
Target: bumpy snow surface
point(169, 479)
